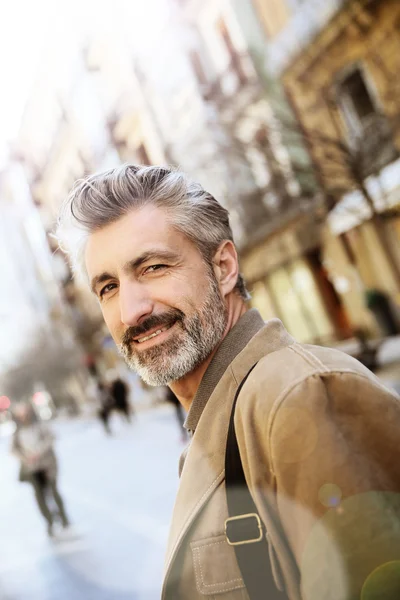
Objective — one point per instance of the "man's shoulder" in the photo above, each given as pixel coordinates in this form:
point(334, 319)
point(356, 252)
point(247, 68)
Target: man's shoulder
point(278, 372)
point(305, 377)
point(310, 360)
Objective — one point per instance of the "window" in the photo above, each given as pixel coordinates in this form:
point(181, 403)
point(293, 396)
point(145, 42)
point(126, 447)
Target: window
point(356, 101)
point(299, 302)
point(261, 299)
point(370, 132)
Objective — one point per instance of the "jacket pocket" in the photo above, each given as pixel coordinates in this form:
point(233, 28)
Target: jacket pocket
point(215, 567)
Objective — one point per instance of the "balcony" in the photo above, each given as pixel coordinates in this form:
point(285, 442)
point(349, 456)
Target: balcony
point(371, 147)
point(236, 84)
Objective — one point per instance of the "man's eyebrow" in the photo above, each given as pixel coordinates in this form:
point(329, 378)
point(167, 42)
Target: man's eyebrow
point(131, 265)
point(167, 255)
point(99, 279)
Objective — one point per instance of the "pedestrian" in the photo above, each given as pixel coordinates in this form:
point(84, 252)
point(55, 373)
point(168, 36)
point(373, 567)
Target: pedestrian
point(32, 444)
point(119, 392)
point(106, 403)
point(179, 412)
point(290, 487)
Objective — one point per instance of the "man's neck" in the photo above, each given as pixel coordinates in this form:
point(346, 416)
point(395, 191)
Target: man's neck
point(185, 389)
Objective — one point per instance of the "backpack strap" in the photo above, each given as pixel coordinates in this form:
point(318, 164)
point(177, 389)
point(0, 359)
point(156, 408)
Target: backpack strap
point(244, 529)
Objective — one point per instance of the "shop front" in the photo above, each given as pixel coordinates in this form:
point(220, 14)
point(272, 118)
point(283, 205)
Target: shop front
point(287, 280)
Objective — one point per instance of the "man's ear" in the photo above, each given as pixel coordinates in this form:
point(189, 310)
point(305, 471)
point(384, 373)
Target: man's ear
point(226, 266)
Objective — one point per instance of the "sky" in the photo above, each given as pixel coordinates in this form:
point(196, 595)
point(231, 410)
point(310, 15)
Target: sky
point(24, 29)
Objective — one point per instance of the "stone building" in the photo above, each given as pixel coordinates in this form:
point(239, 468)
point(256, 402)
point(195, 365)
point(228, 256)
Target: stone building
point(338, 62)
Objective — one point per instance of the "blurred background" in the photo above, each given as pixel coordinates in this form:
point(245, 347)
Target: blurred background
point(288, 111)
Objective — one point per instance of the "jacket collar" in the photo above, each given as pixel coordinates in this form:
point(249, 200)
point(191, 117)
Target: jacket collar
point(203, 470)
point(233, 343)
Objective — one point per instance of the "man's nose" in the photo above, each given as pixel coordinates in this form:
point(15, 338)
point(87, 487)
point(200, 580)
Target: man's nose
point(135, 303)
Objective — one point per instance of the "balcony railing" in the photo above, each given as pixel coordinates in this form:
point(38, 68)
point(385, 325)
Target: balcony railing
point(237, 77)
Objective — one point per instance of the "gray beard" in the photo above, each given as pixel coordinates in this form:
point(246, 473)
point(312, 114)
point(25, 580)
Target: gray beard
point(193, 340)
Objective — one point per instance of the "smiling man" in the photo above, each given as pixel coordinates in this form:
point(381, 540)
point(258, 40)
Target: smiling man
point(163, 306)
point(290, 485)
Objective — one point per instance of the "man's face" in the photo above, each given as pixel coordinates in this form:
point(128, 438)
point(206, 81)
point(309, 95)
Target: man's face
point(160, 300)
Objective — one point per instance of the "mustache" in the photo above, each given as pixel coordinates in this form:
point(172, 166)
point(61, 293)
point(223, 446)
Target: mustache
point(166, 319)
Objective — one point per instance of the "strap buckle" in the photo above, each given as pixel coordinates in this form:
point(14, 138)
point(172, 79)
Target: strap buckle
point(240, 532)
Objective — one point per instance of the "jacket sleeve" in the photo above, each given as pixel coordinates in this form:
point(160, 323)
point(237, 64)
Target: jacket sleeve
point(334, 451)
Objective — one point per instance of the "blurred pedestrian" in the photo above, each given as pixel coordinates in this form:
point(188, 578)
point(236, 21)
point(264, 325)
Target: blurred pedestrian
point(291, 484)
point(119, 392)
point(106, 403)
point(32, 444)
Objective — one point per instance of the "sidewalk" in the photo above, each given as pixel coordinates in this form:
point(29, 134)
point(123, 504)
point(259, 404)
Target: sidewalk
point(119, 492)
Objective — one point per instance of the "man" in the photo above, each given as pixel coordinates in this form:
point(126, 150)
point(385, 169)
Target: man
point(317, 432)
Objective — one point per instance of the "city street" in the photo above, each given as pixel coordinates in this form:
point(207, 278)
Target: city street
point(166, 166)
point(119, 492)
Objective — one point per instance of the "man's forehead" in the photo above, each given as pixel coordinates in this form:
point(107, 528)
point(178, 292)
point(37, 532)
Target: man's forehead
point(143, 230)
point(143, 220)
point(136, 227)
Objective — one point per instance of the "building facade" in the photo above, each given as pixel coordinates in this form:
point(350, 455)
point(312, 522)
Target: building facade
point(338, 61)
point(38, 351)
point(64, 136)
point(230, 92)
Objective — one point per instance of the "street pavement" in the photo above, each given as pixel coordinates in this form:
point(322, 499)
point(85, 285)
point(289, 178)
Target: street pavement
point(119, 493)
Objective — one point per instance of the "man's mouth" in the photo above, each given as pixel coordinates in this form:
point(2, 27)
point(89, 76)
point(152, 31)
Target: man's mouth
point(152, 335)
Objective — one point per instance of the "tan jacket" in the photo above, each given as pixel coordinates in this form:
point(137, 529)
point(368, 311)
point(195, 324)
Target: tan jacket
point(319, 438)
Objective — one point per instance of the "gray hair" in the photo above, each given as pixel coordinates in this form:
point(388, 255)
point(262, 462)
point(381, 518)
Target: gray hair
point(105, 197)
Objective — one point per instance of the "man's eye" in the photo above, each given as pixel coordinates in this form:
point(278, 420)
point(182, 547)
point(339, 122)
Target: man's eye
point(107, 288)
point(154, 268)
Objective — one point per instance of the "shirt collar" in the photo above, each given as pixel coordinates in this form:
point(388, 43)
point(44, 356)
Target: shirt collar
point(233, 343)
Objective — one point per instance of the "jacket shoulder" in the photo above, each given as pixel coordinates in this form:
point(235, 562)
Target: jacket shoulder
point(279, 372)
point(291, 388)
point(299, 361)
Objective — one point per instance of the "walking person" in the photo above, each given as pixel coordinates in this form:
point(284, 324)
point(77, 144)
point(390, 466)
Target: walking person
point(290, 487)
point(119, 392)
point(33, 444)
point(106, 402)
